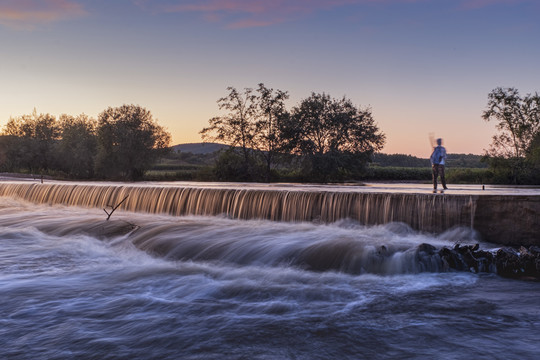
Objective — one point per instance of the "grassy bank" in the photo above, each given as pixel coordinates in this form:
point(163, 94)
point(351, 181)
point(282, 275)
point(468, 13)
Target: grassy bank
point(453, 175)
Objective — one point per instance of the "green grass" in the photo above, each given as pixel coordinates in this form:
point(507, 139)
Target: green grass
point(200, 173)
point(453, 175)
point(177, 172)
point(469, 176)
point(392, 173)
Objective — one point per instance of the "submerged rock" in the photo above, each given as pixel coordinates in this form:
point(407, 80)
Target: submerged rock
point(109, 228)
point(522, 263)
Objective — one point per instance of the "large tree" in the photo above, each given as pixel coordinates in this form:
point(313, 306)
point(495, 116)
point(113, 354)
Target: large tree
point(333, 135)
point(77, 147)
point(513, 147)
point(518, 121)
point(236, 127)
point(249, 125)
point(533, 160)
point(33, 138)
point(322, 124)
point(269, 116)
point(129, 141)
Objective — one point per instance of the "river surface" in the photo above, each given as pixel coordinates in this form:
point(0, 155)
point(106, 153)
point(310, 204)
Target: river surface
point(140, 286)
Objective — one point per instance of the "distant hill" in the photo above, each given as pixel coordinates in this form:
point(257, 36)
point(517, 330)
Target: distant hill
point(199, 148)
point(399, 160)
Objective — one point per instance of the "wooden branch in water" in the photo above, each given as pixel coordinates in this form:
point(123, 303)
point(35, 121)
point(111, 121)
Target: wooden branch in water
point(114, 208)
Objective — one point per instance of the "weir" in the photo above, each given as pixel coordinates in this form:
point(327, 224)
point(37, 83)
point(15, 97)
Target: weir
point(500, 219)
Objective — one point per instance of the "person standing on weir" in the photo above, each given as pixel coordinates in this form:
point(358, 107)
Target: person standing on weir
point(438, 161)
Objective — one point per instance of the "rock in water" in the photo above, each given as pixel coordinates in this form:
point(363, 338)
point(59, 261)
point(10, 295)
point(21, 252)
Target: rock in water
point(506, 262)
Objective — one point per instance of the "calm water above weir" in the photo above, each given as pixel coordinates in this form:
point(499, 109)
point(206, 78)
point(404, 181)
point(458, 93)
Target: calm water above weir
point(206, 287)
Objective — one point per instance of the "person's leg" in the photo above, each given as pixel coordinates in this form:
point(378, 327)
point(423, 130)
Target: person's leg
point(443, 179)
point(435, 173)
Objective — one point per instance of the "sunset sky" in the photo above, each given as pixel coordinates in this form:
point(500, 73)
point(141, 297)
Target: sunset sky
point(422, 66)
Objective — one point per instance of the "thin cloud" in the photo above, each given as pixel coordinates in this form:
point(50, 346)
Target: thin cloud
point(478, 4)
point(247, 13)
point(251, 23)
point(257, 13)
point(30, 13)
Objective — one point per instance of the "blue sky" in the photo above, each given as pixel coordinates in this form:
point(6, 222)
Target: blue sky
point(423, 66)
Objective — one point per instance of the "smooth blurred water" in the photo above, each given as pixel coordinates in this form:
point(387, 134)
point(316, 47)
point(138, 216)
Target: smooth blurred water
point(155, 287)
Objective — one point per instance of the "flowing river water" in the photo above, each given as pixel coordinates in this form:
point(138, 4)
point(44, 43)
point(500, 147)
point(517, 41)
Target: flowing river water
point(156, 286)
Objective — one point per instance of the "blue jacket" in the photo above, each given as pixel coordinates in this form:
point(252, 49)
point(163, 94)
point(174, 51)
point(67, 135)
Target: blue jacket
point(438, 157)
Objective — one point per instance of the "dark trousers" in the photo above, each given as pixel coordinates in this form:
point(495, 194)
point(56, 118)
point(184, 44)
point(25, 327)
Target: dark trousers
point(438, 170)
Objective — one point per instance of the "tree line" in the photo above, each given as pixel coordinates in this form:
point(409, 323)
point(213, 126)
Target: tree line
point(320, 139)
point(324, 138)
point(122, 143)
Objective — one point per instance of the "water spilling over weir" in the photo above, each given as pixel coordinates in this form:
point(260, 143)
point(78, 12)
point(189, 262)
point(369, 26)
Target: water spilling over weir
point(502, 219)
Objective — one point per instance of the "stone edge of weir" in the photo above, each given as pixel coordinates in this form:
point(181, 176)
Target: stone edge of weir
point(512, 220)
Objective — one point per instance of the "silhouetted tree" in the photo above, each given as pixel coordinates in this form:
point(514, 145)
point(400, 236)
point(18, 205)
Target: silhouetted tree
point(251, 128)
point(33, 140)
point(9, 148)
point(518, 122)
point(129, 141)
point(237, 127)
point(269, 115)
point(533, 160)
point(77, 147)
point(334, 136)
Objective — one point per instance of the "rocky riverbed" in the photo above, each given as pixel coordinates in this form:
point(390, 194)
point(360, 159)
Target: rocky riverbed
point(517, 263)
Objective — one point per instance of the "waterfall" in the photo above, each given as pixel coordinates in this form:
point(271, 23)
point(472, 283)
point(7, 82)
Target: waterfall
point(424, 212)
